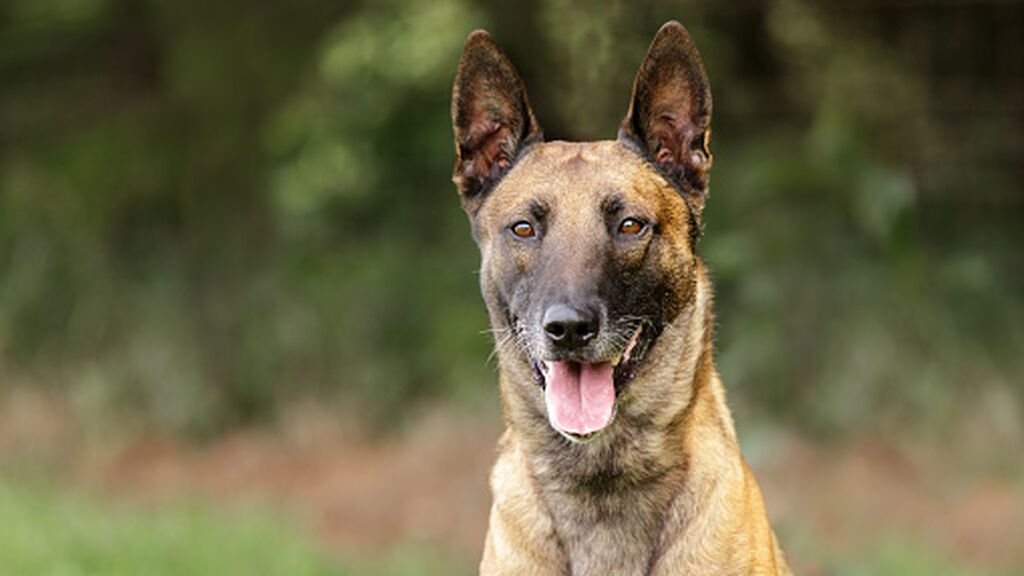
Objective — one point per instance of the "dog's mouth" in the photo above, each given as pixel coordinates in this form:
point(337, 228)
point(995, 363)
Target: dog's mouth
point(580, 396)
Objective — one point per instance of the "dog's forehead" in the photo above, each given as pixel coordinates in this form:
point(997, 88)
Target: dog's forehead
point(578, 176)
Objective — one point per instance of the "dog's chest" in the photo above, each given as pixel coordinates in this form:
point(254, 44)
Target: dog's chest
point(617, 537)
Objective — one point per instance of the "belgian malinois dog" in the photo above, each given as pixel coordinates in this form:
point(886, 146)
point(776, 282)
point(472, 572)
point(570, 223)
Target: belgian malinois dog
point(620, 455)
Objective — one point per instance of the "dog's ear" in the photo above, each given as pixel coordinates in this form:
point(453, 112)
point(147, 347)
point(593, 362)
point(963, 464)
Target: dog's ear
point(670, 112)
point(491, 117)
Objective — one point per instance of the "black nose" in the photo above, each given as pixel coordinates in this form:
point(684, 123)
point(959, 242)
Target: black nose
point(569, 327)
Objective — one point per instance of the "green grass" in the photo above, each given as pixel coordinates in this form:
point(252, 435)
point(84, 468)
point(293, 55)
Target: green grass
point(46, 532)
point(888, 553)
point(905, 560)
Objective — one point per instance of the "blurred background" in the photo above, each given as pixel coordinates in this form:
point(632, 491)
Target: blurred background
point(240, 327)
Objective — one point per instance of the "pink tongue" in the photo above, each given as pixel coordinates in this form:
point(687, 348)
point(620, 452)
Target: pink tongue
point(580, 397)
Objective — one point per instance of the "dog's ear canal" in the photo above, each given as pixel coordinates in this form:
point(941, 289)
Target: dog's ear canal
point(670, 112)
point(491, 117)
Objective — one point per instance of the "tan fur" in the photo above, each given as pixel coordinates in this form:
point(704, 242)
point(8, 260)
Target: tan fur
point(663, 490)
point(706, 513)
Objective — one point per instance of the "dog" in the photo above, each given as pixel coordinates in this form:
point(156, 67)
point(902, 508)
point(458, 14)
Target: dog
point(619, 455)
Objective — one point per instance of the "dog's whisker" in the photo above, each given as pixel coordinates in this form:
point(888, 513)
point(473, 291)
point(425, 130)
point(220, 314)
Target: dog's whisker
point(499, 345)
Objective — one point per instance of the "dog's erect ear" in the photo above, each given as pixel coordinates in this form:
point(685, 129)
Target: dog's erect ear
point(670, 112)
point(491, 117)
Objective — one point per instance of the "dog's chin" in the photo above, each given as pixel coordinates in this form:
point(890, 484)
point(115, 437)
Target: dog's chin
point(581, 395)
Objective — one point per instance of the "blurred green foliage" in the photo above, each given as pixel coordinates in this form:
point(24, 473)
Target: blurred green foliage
point(207, 208)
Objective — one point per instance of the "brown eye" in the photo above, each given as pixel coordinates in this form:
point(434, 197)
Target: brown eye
point(523, 229)
point(631, 226)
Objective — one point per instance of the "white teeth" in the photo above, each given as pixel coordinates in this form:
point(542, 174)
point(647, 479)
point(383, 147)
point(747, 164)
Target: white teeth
point(545, 368)
point(624, 356)
point(632, 342)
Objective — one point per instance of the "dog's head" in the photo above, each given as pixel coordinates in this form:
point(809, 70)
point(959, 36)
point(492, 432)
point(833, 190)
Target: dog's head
point(587, 248)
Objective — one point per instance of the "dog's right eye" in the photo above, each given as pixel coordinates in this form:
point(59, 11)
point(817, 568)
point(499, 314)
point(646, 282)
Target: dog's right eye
point(523, 229)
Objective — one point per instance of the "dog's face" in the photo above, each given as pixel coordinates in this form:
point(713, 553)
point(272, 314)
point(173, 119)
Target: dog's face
point(587, 248)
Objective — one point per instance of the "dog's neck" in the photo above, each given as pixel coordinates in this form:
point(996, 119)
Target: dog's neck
point(609, 499)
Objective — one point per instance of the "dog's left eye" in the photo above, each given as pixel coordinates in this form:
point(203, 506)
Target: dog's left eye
point(631, 227)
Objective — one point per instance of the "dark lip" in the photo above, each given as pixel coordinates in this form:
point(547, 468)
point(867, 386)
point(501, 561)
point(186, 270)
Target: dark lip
point(622, 374)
